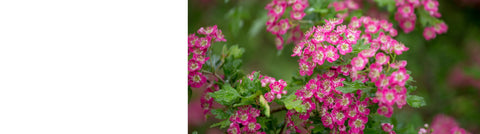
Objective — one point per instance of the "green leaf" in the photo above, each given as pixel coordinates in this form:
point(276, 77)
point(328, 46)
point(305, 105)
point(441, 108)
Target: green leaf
point(220, 114)
point(349, 87)
point(389, 4)
point(415, 101)
point(222, 124)
point(189, 94)
point(291, 103)
point(236, 52)
point(264, 104)
point(226, 96)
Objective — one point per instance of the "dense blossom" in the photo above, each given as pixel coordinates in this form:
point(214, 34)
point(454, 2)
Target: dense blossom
point(197, 48)
point(279, 25)
point(244, 120)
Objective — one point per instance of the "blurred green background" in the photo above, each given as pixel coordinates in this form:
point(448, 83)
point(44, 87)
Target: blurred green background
point(447, 68)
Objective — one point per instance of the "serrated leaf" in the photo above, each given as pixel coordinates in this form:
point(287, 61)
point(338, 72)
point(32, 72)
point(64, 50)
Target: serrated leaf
point(415, 101)
point(291, 103)
point(220, 114)
point(222, 124)
point(226, 96)
point(349, 87)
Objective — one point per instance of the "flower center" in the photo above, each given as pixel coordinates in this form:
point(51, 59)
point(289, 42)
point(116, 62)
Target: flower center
point(204, 42)
point(251, 126)
point(320, 56)
point(406, 10)
point(196, 78)
point(340, 116)
point(389, 96)
point(358, 123)
point(330, 54)
point(244, 117)
point(344, 46)
point(399, 77)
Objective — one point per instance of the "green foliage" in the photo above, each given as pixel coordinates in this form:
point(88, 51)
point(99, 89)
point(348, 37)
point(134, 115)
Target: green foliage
point(226, 96)
point(349, 87)
point(220, 113)
point(415, 101)
point(222, 124)
point(388, 4)
point(291, 103)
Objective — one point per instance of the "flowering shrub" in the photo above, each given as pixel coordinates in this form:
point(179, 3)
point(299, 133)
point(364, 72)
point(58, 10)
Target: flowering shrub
point(349, 77)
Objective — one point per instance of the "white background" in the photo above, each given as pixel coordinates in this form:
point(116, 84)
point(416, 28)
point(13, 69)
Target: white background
point(93, 66)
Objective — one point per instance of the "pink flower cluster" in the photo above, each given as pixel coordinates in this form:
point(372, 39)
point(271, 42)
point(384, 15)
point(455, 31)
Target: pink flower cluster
point(387, 127)
point(197, 48)
point(406, 17)
point(245, 121)
point(345, 5)
point(338, 110)
point(443, 124)
point(207, 101)
point(324, 43)
point(276, 87)
point(278, 25)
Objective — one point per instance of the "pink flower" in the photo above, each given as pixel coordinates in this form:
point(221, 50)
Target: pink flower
point(279, 42)
point(431, 6)
point(269, 96)
point(334, 38)
point(385, 110)
point(338, 117)
point(192, 40)
point(382, 82)
point(277, 9)
point(298, 6)
point(340, 29)
point(375, 70)
point(387, 127)
point(327, 120)
point(344, 69)
point(234, 129)
point(319, 56)
point(284, 26)
point(344, 48)
point(208, 31)
point(457, 130)
point(196, 79)
point(407, 25)
point(401, 100)
point(267, 80)
point(440, 28)
point(204, 42)
point(357, 125)
point(398, 48)
point(406, 10)
point(297, 51)
point(355, 23)
point(201, 59)
point(344, 101)
point(331, 54)
point(251, 127)
point(371, 27)
point(429, 33)
point(219, 36)
point(352, 36)
point(399, 77)
point(297, 15)
point(388, 97)
point(277, 87)
point(352, 112)
point(381, 59)
point(309, 105)
point(193, 65)
point(367, 53)
point(399, 64)
point(362, 108)
point(319, 37)
point(305, 67)
point(358, 63)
